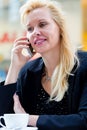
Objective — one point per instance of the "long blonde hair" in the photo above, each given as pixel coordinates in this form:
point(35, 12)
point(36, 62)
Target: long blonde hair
point(67, 57)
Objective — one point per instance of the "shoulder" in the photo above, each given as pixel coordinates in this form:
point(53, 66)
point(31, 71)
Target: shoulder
point(82, 56)
point(32, 66)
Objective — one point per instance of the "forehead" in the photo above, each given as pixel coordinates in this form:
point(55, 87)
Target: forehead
point(38, 14)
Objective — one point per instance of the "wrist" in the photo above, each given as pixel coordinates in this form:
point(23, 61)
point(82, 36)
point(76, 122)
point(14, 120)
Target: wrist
point(12, 75)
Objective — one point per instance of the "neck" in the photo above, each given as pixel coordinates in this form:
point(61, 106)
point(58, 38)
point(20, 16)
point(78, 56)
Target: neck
point(51, 60)
point(50, 66)
point(47, 78)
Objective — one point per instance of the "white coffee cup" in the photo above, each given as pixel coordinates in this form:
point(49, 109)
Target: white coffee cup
point(14, 121)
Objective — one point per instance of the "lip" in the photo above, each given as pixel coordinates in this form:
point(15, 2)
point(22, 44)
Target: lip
point(39, 40)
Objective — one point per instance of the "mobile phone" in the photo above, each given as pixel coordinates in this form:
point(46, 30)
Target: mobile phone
point(30, 50)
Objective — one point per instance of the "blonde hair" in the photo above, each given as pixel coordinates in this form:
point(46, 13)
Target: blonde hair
point(67, 57)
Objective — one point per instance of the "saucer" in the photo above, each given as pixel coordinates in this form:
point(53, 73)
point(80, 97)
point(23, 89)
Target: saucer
point(6, 129)
point(30, 128)
point(25, 128)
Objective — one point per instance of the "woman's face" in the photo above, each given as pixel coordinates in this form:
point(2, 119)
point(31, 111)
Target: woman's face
point(42, 31)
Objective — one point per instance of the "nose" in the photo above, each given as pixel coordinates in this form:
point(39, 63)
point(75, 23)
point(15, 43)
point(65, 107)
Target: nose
point(36, 32)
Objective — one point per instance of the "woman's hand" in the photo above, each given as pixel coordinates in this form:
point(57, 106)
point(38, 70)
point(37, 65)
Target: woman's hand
point(17, 57)
point(17, 105)
point(19, 109)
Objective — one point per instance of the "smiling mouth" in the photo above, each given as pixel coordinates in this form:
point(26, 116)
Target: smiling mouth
point(39, 41)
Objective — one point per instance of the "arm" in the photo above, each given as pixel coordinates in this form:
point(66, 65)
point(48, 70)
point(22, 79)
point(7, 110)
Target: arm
point(17, 59)
point(12, 75)
point(8, 88)
point(19, 109)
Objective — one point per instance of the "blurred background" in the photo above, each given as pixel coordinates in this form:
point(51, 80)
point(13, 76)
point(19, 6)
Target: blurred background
point(10, 28)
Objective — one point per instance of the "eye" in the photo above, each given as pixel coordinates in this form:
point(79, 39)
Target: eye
point(42, 24)
point(30, 29)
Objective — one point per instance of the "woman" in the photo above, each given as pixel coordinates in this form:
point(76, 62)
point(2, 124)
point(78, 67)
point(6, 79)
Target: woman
point(53, 87)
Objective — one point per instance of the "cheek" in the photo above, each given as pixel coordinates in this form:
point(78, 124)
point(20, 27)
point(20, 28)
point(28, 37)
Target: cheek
point(57, 33)
point(54, 32)
point(55, 36)
point(47, 33)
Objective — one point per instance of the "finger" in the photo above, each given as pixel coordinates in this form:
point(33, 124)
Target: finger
point(19, 48)
point(22, 50)
point(21, 42)
point(21, 38)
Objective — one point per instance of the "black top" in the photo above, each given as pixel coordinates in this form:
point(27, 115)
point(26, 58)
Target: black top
point(28, 86)
point(44, 106)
